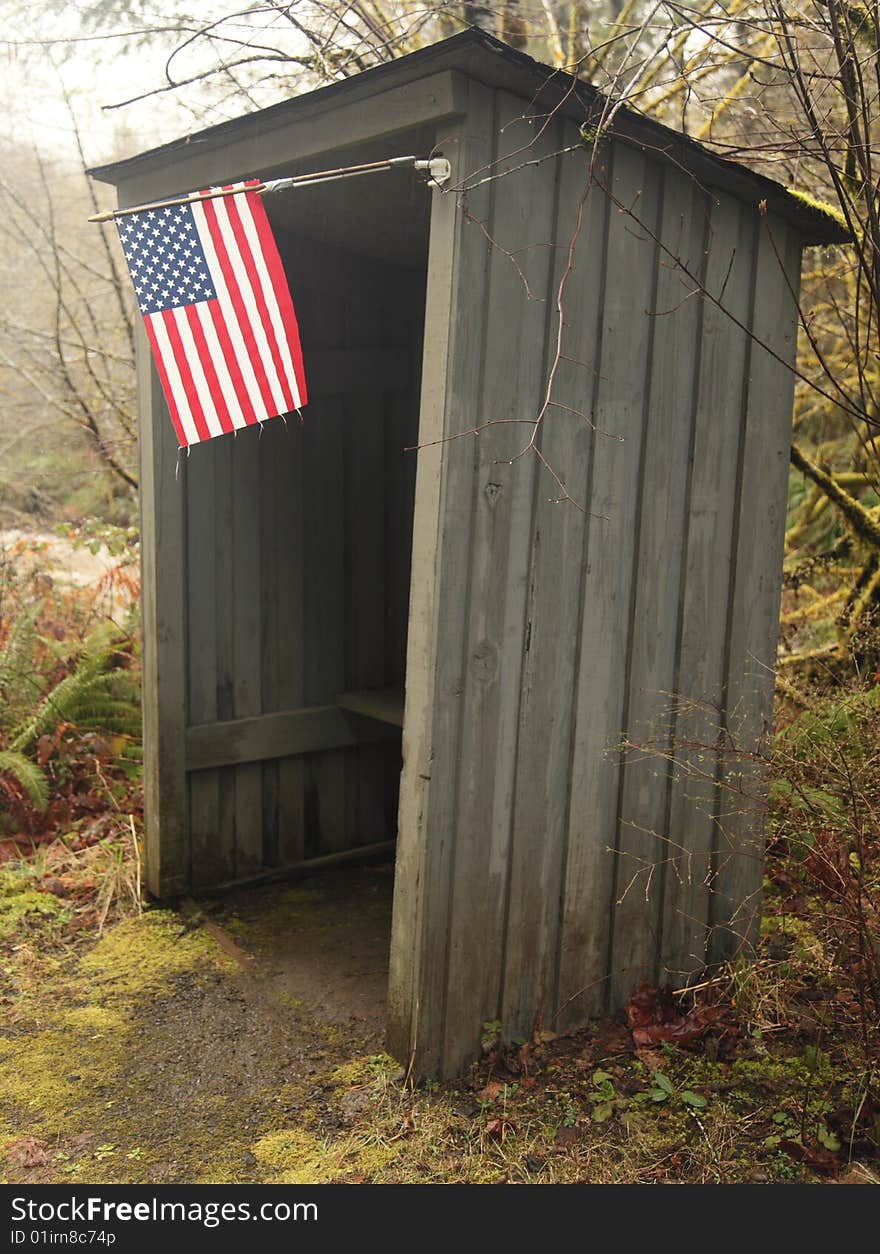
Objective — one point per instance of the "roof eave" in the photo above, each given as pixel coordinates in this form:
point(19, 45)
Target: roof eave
point(488, 59)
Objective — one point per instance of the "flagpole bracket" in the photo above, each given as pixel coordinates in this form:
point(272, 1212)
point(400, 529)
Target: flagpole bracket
point(438, 171)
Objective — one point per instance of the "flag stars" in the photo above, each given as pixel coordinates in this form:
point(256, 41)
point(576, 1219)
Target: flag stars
point(165, 258)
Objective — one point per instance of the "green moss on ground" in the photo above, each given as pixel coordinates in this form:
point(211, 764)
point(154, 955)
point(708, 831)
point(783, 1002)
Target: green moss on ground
point(23, 908)
point(152, 1056)
point(62, 1063)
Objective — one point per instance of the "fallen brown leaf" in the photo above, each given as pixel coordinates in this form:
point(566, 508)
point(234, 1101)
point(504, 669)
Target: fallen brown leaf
point(813, 1156)
point(490, 1092)
point(497, 1129)
point(653, 1059)
point(51, 884)
point(28, 1152)
point(654, 1018)
point(566, 1136)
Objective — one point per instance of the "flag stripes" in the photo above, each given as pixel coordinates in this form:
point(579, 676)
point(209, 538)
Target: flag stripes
point(243, 260)
point(218, 314)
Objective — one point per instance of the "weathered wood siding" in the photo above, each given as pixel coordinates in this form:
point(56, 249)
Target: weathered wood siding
point(543, 870)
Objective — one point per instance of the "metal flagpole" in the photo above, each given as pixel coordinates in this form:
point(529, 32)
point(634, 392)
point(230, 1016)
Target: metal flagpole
point(436, 168)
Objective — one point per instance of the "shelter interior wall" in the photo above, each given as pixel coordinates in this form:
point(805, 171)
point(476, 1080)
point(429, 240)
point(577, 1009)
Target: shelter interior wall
point(298, 541)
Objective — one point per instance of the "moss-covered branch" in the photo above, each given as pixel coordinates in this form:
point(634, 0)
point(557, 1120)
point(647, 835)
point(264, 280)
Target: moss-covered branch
point(862, 521)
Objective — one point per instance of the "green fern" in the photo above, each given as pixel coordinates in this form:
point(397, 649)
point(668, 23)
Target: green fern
point(96, 695)
point(90, 683)
point(20, 685)
point(31, 778)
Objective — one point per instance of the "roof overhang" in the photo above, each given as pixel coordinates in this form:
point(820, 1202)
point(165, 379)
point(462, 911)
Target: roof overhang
point(480, 56)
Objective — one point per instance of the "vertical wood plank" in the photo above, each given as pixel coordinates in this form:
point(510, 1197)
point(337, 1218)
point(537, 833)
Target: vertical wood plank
point(204, 786)
point(644, 842)
point(323, 586)
point(754, 600)
point(290, 593)
point(451, 378)
point(223, 451)
point(523, 221)
point(706, 579)
point(553, 611)
point(379, 316)
point(607, 592)
point(363, 451)
point(324, 489)
point(163, 576)
point(247, 614)
point(270, 449)
point(401, 435)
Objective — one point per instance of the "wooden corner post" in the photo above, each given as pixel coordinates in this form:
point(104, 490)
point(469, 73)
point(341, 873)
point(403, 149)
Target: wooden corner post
point(163, 626)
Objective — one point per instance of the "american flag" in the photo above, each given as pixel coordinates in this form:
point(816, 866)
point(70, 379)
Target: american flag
point(218, 313)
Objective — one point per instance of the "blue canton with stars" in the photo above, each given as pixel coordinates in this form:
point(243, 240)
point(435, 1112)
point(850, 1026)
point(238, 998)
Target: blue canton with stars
point(164, 254)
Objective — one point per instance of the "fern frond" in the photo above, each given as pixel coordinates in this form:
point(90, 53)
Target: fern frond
point(20, 683)
point(29, 776)
point(94, 696)
point(104, 713)
point(61, 705)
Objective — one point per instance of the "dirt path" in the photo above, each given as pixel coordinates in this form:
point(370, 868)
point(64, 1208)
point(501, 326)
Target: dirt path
point(187, 1046)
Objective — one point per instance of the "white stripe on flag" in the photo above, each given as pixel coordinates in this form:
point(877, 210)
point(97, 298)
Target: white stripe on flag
point(227, 387)
point(245, 287)
point(250, 230)
point(229, 315)
point(197, 372)
point(175, 382)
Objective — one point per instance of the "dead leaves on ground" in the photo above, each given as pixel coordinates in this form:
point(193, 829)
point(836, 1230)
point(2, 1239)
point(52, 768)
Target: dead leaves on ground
point(28, 1152)
point(655, 1018)
point(519, 1058)
point(820, 1160)
point(499, 1127)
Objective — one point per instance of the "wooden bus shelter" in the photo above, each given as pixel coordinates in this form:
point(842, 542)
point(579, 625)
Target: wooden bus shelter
point(311, 589)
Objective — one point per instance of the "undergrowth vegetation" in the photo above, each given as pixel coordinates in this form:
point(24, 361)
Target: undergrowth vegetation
point(70, 755)
point(767, 1069)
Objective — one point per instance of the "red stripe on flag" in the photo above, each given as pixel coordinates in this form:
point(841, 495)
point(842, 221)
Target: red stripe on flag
point(182, 441)
point(247, 256)
point(205, 356)
point(242, 395)
point(192, 396)
point(238, 305)
point(275, 267)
